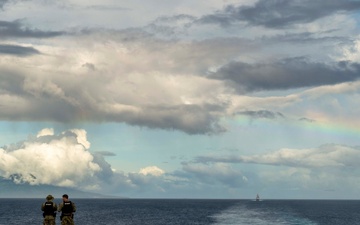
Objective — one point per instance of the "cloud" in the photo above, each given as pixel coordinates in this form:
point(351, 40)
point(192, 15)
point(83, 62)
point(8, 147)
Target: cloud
point(15, 29)
point(2, 3)
point(307, 120)
point(105, 153)
point(107, 7)
point(60, 160)
point(64, 160)
point(286, 74)
point(40, 160)
point(152, 170)
point(18, 50)
point(293, 171)
point(214, 174)
point(280, 13)
point(326, 156)
point(155, 92)
point(135, 77)
point(262, 114)
point(45, 132)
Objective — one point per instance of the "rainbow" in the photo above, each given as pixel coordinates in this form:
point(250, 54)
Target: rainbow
point(313, 127)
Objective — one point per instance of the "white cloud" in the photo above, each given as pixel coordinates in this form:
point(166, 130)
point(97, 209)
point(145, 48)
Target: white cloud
point(152, 170)
point(81, 137)
point(351, 52)
point(58, 160)
point(45, 132)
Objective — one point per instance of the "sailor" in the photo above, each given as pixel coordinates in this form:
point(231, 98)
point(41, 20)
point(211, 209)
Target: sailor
point(49, 207)
point(67, 209)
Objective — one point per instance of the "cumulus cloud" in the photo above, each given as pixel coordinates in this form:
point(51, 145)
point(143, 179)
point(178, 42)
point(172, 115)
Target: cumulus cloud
point(45, 132)
point(64, 160)
point(152, 170)
point(60, 160)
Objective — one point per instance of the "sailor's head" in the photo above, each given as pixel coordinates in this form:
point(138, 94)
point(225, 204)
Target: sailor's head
point(65, 196)
point(49, 197)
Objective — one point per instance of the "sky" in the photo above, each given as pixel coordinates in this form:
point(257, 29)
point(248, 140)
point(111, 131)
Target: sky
point(182, 99)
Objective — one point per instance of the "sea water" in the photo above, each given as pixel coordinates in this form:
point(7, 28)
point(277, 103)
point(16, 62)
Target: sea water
point(190, 211)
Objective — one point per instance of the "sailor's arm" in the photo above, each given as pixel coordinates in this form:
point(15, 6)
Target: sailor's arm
point(73, 206)
point(55, 206)
point(60, 207)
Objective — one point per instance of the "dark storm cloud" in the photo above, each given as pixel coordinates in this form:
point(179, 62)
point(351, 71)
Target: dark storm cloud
point(192, 119)
point(16, 29)
point(17, 50)
point(281, 13)
point(262, 114)
point(286, 74)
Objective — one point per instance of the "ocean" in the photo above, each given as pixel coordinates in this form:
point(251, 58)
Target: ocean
point(189, 211)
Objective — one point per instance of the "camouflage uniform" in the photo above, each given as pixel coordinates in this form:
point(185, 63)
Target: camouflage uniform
point(49, 220)
point(67, 209)
point(49, 214)
point(67, 220)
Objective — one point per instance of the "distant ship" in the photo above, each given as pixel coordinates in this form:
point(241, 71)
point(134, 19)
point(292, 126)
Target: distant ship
point(257, 197)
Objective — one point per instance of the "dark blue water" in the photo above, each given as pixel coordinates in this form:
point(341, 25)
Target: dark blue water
point(190, 211)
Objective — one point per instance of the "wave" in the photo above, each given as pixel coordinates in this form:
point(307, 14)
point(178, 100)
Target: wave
point(258, 215)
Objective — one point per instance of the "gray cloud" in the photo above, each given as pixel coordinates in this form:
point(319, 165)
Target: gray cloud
point(213, 174)
point(307, 38)
point(87, 88)
point(262, 114)
point(107, 8)
point(171, 25)
point(286, 74)
point(190, 119)
point(105, 153)
point(193, 119)
point(2, 3)
point(38, 99)
point(281, 13)
point(18, 50)
point(11, 82)
point(326, 156)
point(307, 120)
point(16, 29)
